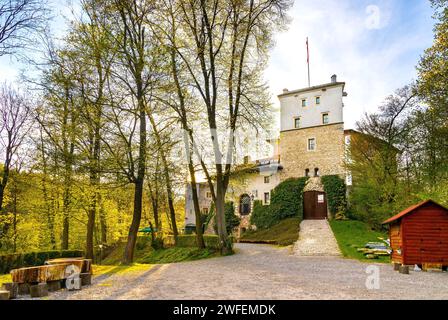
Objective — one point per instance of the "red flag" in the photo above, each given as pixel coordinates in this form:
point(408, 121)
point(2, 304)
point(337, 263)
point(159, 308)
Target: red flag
point(307, 51)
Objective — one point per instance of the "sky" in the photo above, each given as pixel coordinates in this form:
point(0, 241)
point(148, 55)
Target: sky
point(372, 45)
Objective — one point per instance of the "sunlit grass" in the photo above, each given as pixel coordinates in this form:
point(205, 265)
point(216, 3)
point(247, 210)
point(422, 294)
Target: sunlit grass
point(285, 233)
point(351, 235)
point(5, 278)
point(99, 270)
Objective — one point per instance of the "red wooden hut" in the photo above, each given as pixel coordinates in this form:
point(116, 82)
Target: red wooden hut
point(419, 235)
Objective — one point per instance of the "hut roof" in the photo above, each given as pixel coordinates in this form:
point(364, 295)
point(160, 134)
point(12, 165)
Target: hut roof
point(410, 209)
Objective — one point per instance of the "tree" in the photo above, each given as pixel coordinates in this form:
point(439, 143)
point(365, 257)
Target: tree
point(433, 90)
point(19, 19)
point(14, 127)
point(377, 158)
point(90, 49)
point(218, 39)
point(133, 76)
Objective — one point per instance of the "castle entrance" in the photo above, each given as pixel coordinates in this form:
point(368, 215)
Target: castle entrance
point(314, 205)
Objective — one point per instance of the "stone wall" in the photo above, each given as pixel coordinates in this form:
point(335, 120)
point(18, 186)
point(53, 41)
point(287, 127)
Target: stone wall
point(328, 155)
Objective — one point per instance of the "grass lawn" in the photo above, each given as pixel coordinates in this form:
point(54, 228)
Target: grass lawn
point(285, 233)
point(145, 254)
point(352, 234)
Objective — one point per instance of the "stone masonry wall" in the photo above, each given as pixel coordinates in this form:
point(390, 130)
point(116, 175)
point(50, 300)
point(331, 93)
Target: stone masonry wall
point(328, 156)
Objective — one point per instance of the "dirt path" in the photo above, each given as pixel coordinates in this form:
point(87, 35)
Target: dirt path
point(264, 272)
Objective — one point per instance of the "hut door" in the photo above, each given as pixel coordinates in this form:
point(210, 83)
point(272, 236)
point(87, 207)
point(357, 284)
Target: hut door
point(314, 205)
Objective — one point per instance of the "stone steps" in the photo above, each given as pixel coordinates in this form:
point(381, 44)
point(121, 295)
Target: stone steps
point(316, 239)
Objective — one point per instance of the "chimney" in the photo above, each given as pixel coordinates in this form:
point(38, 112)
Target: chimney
point(334, 78)
point(285, 90)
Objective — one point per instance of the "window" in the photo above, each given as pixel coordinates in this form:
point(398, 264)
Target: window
point(267, 197)
point(266, 179)
point(317, 100)
point(245, 205)
point(316, 172)
point(209, 195)
point(297, 123)
point(304, 103)
point(307, 172)
point(312, 144)
point(325, 118)
point(204, 210)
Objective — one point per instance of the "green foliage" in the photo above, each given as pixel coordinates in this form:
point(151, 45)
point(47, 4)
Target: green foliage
point(284, 233)
point(178, 254)
point(287, 198)
point(232, 220)
point(30, 259)
point(286, 202)
point(261, 215)
point(189, 241)
point(185, 250)
point(334, 187)
point(351, 235)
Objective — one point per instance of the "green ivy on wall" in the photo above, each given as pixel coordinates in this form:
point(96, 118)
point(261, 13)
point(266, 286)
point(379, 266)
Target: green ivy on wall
point(286, 202)
point(335, 188)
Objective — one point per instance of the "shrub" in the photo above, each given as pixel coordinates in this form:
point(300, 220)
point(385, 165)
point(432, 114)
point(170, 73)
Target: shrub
point(286, 202)
point(335, 188)
point(232, 220)
point(261, 215)
point(31, 259)
point(287, 198)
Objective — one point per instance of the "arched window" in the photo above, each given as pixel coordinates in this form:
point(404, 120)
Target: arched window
point(316, 172)
point(307, 172)
point(244, 205)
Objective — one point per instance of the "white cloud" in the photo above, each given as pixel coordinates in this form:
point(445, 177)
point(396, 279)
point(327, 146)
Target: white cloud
point(372, 61)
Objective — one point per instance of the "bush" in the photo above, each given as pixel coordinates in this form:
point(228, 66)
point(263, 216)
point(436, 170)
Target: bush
point(189, 241)
point(31, 259)
point(286, 202)
point(334, 187)
point(261, 215)
point(232, 220)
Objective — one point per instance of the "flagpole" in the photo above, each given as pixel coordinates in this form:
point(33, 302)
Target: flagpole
point(308, 61)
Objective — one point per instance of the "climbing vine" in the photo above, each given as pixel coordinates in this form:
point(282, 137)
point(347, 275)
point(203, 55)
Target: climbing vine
point(335, 188)
point(286, 202)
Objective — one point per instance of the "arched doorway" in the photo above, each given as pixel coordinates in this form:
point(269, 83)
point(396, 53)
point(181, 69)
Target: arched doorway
point(314, 205)
point(245, 205)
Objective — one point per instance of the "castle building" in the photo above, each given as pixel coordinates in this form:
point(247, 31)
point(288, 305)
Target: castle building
point(312, 143)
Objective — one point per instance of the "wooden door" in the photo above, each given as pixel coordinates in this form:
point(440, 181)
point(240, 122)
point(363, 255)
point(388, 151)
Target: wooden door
point(314, 205)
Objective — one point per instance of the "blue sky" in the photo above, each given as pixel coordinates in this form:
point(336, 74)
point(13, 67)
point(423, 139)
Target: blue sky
point(372, 45)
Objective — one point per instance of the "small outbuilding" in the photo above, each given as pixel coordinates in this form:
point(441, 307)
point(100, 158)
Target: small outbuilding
point(419, 235)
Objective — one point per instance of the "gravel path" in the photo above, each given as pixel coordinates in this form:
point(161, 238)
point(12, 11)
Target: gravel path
point(316, 239)
point(263, 272)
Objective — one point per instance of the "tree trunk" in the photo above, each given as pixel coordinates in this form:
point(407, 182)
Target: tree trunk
point(103, 222)
point(135, 225)
point(90, 228)
point(197, 210)
point(225, 245)
point(65, 221)
point(166, 175)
